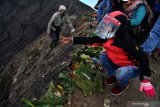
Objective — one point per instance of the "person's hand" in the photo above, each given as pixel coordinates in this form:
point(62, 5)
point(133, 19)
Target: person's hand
point(147, 87)
point(72, 30)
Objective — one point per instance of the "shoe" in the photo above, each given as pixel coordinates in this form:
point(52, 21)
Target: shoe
point(111, 80)
point(117, 90)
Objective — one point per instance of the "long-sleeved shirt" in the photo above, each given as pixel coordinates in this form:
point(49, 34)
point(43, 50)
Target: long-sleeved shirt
point(107, 4)
point(153, 41)
point(57, 21)
point(126, 43)
point(138, 16)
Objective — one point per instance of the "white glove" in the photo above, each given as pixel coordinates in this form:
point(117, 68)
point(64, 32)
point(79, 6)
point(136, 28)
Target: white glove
point(72, 30)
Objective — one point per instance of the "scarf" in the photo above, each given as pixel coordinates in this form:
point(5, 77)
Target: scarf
point(130, 10)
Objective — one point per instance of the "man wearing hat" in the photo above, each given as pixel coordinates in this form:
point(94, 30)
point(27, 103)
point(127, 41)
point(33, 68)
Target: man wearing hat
point(55, 24)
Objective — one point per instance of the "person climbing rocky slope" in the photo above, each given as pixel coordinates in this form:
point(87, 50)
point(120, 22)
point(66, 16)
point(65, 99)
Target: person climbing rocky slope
point(22, 21)
point(30, 72)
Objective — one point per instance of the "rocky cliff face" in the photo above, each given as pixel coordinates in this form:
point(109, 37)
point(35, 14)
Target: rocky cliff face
point(29, 73)
point(22, 21)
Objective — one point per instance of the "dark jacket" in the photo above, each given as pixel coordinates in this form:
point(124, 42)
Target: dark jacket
point(140, 15)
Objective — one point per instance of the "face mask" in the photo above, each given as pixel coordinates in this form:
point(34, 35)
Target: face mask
point(62, 12)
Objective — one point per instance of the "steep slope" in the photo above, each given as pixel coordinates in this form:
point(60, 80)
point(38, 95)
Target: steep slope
point(30, 72)
point(22, 21)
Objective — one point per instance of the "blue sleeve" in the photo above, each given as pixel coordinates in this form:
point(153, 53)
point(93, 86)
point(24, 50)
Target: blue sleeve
point(108, 6)
point(138, 16)
point(156, 29)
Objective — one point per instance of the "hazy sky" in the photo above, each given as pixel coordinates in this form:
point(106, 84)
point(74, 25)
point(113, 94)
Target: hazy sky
point(89, 2)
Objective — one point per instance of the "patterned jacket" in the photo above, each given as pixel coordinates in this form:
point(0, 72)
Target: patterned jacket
point(57, 21)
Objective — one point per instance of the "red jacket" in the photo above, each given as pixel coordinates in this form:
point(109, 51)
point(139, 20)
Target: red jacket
point(117, 55)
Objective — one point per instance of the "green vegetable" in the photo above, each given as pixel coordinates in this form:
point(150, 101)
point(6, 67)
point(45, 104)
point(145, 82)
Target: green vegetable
point(50, 93)
point(28, 103)
point(86, 86)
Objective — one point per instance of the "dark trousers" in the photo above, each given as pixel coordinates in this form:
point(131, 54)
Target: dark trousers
point(54, 38)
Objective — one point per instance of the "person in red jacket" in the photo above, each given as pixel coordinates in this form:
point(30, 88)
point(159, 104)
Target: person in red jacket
point(122, 58)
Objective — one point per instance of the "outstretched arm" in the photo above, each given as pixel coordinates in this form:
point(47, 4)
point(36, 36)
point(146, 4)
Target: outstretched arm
point(139, 16)
point(88, 40)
